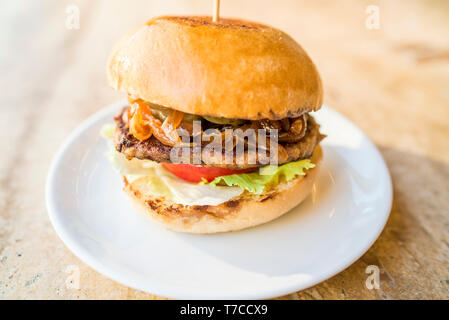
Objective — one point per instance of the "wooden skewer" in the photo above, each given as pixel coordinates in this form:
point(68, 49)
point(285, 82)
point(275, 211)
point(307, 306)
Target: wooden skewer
point(216, 15)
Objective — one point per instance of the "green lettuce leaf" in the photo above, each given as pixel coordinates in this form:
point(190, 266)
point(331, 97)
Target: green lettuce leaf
point(161, 183)
point(255, 182)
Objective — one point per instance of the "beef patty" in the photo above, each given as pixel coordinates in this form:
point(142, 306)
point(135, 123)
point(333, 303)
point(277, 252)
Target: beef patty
point(153, 149)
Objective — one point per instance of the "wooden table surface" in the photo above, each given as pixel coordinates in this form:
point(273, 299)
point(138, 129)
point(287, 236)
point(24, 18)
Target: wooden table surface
point(393, 82)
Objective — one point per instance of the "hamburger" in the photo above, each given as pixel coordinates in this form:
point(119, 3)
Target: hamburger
point(188, 76)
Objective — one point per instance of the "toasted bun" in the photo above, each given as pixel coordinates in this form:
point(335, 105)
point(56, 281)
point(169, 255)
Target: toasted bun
point(247, 210)
point(233, 68)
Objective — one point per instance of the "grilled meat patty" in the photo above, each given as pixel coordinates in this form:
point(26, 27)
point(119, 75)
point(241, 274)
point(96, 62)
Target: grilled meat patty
point(153, 149)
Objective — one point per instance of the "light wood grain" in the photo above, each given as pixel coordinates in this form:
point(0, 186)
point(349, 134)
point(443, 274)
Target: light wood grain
point(392, 82)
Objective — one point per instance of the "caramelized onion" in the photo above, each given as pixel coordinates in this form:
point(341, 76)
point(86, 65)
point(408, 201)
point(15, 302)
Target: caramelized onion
point(171, 123)
point(188, 127)
point(142, 123)
point(296, 132)
point(298, 126)
point(137, 126)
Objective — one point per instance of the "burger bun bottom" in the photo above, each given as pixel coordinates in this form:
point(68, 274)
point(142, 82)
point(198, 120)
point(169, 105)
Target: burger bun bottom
point(247, 210)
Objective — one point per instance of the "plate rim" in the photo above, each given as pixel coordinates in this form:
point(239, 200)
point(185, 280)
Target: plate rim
point(186, 292)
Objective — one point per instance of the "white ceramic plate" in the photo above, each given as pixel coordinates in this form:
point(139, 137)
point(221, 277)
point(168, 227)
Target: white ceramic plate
point(346, 212)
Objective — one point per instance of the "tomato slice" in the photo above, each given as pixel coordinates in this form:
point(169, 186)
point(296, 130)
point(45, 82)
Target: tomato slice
point(192, 173)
